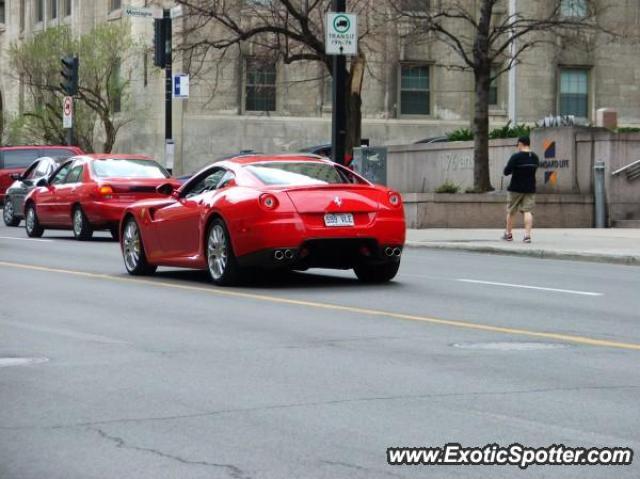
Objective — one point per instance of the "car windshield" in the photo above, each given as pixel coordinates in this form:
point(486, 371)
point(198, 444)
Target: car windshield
point(294, 173)
point(128, 168)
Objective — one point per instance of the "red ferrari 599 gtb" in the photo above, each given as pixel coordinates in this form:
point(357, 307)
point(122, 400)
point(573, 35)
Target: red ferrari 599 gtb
point(285, 212)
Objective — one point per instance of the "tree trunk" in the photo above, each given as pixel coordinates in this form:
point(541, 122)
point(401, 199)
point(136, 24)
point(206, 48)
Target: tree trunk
point(354, 104)
point(481, 178)
point(110, 133)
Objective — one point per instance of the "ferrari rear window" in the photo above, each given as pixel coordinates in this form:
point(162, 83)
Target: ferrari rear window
point(294, 173)
point(125, 168)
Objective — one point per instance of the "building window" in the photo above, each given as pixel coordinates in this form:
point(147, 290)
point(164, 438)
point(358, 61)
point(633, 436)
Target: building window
point(115, 5)
point(493, 88)
point(573, 8)
point(53, 9)
point(22, 15)
point(2, 12)
point(261, 85)
point(415, 90)
point(574, 92)
point(258, 3)
point(39, 11)
point(67, 8)
point(409, 6)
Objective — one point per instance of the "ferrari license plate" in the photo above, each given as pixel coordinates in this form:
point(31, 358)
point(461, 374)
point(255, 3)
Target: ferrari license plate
point(338, 219)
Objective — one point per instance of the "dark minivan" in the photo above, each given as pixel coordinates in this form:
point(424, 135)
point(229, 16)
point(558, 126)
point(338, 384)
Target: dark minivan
point(16, 159)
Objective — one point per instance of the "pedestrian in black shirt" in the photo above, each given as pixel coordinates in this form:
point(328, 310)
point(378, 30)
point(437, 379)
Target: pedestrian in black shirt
point(522, 167)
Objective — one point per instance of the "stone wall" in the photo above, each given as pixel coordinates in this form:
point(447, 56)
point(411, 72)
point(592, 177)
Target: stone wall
point(432, 210)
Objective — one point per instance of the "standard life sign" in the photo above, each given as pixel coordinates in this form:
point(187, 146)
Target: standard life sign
point(342, 34)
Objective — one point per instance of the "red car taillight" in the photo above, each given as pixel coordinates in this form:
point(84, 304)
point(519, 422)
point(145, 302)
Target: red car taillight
point(105, 191)
point(268, 201)
point(395, 200)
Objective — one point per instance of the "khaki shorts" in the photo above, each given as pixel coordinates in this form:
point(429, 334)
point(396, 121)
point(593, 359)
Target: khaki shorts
point(522, 202)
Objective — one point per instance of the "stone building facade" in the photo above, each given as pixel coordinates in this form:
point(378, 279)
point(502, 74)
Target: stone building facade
point(412, 89)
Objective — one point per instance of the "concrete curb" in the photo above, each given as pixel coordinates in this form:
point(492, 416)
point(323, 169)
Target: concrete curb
point(628, 260)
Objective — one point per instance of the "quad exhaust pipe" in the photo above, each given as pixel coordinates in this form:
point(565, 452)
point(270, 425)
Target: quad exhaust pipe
point(288, 254)
point(279, 255)
point(397, 251)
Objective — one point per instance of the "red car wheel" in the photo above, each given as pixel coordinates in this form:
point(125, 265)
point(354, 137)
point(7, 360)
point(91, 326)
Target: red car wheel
point(135, 259)
point(223, 267)
point(32, 225)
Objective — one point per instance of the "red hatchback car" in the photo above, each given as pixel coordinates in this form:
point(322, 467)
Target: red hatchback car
point(286, 212)
point(15, 159)
point(90, 192)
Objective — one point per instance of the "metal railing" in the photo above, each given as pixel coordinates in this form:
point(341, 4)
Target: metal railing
point(632, 171)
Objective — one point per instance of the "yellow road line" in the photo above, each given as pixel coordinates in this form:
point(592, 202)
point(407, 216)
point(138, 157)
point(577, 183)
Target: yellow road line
point(583, 340)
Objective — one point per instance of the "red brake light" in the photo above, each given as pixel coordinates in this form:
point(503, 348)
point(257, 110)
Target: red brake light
point(105, 191)
point(395, 199)
point(268, 201)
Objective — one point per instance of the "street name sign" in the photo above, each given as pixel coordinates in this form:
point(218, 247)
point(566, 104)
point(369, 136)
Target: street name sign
point(141, 12)
point(67, 112)
point(342, 34)
point(181, 86)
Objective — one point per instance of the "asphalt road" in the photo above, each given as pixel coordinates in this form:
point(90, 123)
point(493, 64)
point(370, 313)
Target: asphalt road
point(313, 375)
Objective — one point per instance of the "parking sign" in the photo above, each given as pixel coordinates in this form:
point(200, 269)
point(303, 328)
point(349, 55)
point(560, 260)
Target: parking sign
point(342, 34)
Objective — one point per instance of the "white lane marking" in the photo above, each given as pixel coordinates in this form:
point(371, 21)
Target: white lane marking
point(524, 286)
point(24, 239)
point(63, 332)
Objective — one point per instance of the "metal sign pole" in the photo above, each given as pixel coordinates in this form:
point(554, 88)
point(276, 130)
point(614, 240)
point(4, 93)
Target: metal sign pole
point(168, 92)
point(339, 113)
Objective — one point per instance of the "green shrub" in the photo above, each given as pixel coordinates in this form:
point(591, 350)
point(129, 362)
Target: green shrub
point(508, 131)
point(628, 129)
point(448, 187)
point(462, 134)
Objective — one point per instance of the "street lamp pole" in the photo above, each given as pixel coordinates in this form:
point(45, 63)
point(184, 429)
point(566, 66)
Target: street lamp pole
point(339, 117)
point(513, 105)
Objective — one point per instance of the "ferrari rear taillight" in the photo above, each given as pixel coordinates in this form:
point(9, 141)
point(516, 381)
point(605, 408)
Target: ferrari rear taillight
point(268, 201)
point(394, 199)
point(105, 191)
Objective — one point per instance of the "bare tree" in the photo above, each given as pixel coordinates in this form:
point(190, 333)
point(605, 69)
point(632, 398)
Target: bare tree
point(482, 37)
point(286, 30)
point(103, 93)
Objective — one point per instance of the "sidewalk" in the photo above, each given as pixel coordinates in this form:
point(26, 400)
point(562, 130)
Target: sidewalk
point(620, 246)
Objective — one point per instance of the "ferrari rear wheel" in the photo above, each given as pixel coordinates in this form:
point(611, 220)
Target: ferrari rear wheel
point(135, 259)
point(31, 224)
point(8, 214)
point(82, 230)
point(223, 267)
point(376, 273)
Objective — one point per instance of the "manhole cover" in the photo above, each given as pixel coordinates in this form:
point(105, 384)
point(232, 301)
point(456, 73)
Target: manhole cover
point(510, 346)
point(6, 362)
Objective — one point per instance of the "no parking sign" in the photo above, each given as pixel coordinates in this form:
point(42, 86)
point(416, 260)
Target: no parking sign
point(67, 112)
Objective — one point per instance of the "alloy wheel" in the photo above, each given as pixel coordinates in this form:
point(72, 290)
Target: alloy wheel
point(131, 243)
point(31, 219)
point(77, 222)
point(8, 212)
point(217, 252)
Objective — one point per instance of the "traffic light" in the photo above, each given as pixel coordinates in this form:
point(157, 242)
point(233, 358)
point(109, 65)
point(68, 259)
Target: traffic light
point(69, 72)
point(160, 31)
